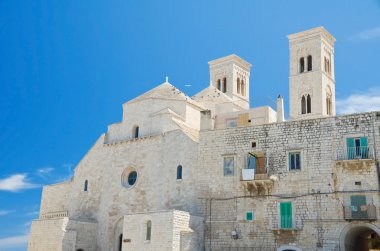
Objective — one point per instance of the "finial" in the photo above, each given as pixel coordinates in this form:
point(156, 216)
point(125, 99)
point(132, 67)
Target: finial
point(167, 79)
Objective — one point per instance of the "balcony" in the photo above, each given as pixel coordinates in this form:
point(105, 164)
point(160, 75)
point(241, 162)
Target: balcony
point(364, 212)
point(356, 153)
point(255, 176)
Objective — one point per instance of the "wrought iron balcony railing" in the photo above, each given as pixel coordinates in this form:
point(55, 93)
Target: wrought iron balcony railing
point(356, 152)
point(364, 212)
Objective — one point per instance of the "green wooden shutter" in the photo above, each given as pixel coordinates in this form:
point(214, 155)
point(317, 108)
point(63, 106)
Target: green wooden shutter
point(363, 142)
point(249, 216)
point(364, 147)
point(351, 148)
point(286, 215)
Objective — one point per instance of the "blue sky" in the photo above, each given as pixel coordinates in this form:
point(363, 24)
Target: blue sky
point(67, 66)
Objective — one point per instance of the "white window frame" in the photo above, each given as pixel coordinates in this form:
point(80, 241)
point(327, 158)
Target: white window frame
point(302, 159)
point(233, 167)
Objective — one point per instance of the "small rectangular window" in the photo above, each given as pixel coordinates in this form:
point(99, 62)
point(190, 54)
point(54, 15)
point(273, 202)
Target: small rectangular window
point(254, 144)
point(295, 161)
point(231, 123)
point(249, 216)
point(228, 166)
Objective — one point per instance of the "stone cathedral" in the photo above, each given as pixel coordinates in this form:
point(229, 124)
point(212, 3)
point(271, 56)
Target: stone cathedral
point(211, 173)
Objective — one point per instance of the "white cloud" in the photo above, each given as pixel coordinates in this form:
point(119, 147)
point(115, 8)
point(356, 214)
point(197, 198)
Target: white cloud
point(14, 241)
point(359, 102)
point(367, 34)
point(16, 183)
point(45, 170)
point(5, 212)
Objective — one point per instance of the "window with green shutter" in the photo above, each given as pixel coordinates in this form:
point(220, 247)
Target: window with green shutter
point(249, 216)
point(357, 148)
point(358, 207)
point(286, 215)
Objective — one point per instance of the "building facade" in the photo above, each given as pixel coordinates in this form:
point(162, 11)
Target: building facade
point(210, 173)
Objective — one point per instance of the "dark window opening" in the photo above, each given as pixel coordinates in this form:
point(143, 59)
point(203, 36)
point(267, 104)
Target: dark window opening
point(224, 85)
point(179, 172)
point(309, 63)
point(308, 104)
point(238, 85)
point(148, 230)
point(136, 132)
point(253, 144)
point(120, 242)
point(85, 186)
point(358, 183)
point(295, 161)
point(132, 178)
point(302, 65)
point(303, 105)
point(242, 88)
point(219, 85)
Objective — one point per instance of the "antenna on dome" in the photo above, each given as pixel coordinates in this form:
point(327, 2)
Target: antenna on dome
point(166, 79)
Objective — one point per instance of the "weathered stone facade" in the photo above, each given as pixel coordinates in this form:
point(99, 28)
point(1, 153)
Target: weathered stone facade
point(205, 173)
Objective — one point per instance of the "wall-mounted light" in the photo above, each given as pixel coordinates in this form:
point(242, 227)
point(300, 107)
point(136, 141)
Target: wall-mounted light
point(234, 235)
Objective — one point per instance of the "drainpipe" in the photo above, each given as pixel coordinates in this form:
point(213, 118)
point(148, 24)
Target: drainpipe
point(374, 150)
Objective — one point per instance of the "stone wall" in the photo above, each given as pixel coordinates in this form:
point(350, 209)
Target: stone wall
point(167, 229)
point(318, 191)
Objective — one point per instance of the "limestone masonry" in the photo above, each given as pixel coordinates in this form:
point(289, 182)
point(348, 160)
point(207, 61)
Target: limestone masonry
point(210, 173)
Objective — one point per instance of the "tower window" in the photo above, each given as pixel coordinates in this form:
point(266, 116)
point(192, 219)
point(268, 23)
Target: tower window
point(148, 230)
point(85, 188)
point(219, 85)
point(179, 172)
point(303, 105)
point(328, 105)
point(309, 63)
point(238, 85)
point(308, 104)
point(120, 242)
point(302, 65)
point(242, 88)
point(224, 85)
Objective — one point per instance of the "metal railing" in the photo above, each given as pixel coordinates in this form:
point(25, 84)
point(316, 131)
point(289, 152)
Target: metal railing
point(356, 152)
point(364, 212)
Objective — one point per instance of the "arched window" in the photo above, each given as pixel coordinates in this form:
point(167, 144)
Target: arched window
point(328, 105)
point(303, 105)
point(302, 65)
point(219, 85)
point(135, 132)
point(308, 103)
point(309, 63)
point(238, 85)
point(224, 85)
point(85, 188)
point(179, 172)
point(120, 248)
point(148, 230)
point(242, 88)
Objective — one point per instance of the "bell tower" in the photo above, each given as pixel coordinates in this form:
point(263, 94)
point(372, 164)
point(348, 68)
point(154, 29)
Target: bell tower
point(230, 75)
point(312, 79)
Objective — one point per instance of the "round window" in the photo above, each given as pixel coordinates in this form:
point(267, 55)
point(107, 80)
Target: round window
point(132, 176)
point(129, 177)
